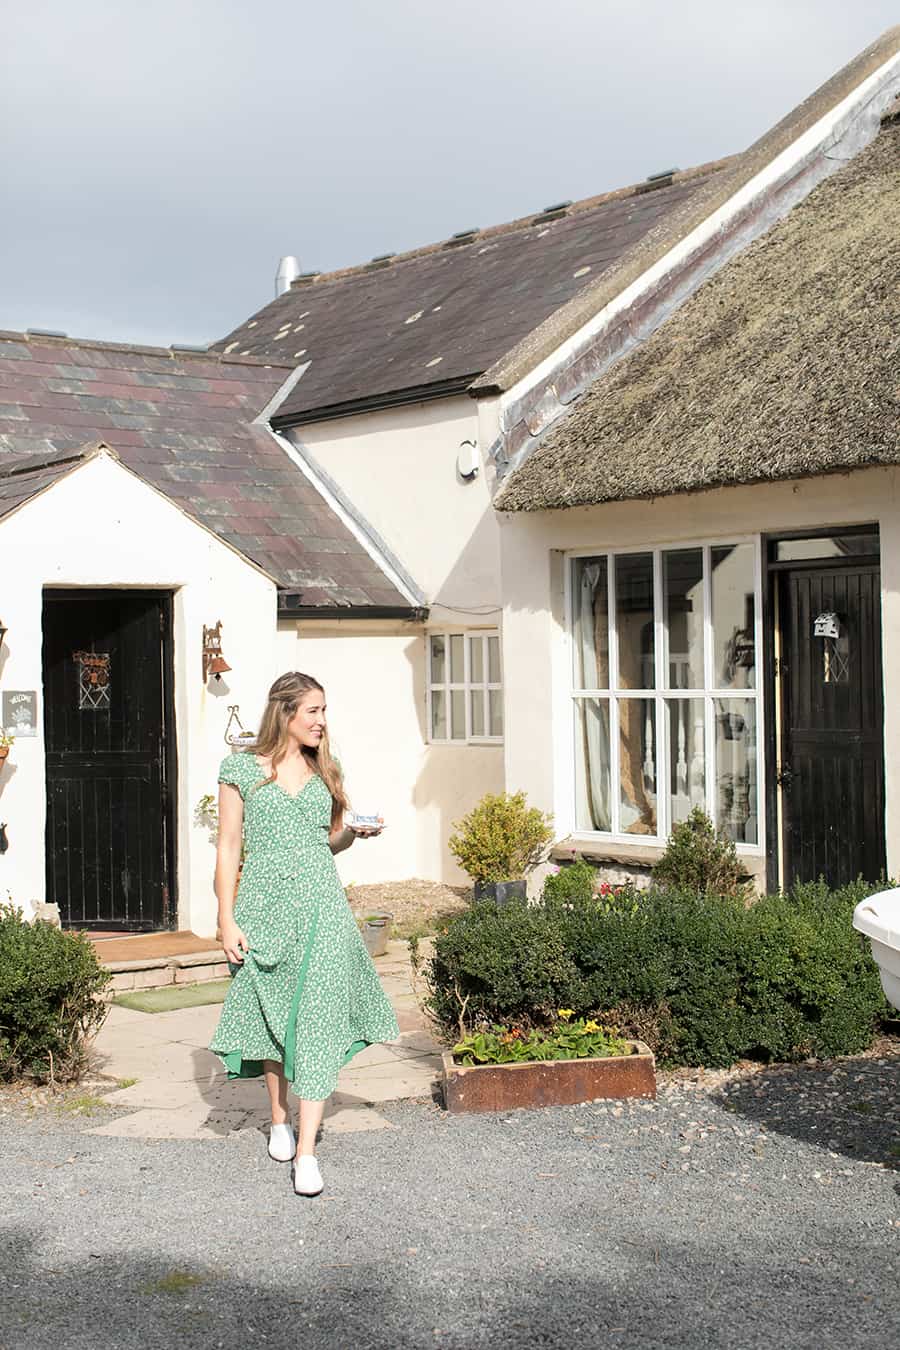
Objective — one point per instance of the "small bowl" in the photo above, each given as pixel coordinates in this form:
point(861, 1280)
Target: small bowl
point(365, 820)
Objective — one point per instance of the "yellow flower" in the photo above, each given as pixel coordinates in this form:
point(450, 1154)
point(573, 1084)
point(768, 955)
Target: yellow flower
point(565, 1013)
point(592, 1025)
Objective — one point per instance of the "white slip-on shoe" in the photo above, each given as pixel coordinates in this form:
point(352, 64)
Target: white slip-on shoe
point(282, 1143)
point(307, 1177)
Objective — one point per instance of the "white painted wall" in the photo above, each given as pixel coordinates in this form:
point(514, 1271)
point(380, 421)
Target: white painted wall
point(398, 468)
point(102, 526)
point(374, 678)
point(535, 647)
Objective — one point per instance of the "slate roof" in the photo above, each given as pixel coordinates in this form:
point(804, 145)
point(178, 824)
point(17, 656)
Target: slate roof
point(426, 323)
point(24, 476)
point(185, 424)
point(785, 364)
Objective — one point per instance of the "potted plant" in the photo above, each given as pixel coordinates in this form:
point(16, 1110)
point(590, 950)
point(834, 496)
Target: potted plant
point(5, 742)
point(376, 931)
point(498, 843)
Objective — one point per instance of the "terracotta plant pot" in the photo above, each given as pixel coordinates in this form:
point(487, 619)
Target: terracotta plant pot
point(4, 751)
point(555, 1082)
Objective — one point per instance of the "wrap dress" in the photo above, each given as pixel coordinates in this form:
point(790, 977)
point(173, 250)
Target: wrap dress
point(307, 993)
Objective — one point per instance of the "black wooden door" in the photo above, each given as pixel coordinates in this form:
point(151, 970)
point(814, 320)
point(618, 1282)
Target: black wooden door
point(108, 722)
point(832, 760)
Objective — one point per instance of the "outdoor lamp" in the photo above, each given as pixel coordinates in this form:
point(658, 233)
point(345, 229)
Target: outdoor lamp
point(214, 662)
point(3, 632)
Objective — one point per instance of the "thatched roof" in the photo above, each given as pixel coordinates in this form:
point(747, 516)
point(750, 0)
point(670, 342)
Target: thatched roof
point(785, 364)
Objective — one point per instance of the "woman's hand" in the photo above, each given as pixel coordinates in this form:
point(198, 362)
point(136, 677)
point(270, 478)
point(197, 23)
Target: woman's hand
point(235, 943)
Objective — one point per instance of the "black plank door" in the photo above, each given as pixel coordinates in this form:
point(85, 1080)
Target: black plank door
point(831, 773)
point(108, 721)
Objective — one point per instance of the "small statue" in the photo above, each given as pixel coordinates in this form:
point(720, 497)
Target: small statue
point(4, 842)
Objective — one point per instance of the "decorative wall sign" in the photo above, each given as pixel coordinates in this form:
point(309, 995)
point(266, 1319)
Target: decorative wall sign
point(826, 625)
point(93, 680)
point(19, 712)
point(235, 735)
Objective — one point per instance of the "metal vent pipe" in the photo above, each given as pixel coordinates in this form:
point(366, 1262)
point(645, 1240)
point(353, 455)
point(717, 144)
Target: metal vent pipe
point(288, 269)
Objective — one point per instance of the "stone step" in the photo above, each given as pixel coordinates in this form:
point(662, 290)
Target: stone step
point(159, 971)
point(156, 972)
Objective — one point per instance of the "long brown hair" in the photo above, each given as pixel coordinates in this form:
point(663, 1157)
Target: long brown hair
point(284, 699)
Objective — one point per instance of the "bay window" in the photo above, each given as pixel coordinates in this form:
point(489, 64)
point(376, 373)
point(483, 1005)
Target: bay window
point(665, 690)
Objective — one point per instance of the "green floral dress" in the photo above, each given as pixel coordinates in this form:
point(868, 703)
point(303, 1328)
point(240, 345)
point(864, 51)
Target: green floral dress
point(307, 993)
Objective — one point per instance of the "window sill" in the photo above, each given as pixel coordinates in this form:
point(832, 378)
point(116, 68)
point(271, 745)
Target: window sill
point(635, 855)
point(486, 743)
point(601, 851)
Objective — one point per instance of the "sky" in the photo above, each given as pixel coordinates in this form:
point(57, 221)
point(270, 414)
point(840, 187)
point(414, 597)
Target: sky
point(158, 157)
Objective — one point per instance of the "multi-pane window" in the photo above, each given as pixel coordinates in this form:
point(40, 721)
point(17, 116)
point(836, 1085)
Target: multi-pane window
point(665, 690)
point(465, 693)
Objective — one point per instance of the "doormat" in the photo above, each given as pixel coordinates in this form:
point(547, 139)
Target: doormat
point(174, 996)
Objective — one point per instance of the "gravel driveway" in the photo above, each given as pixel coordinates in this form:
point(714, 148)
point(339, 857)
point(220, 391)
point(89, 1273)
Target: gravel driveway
point(742, 1212)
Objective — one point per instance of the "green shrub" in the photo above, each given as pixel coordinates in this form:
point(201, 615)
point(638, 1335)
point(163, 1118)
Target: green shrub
point(499, 962)
point(698, 859)
point(501, 838)
point(574, 882)
point(703, 978)
point(49, 1004)
point(809, 981)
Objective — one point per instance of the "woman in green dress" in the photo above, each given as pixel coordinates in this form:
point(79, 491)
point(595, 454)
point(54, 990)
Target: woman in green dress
point(305, 996)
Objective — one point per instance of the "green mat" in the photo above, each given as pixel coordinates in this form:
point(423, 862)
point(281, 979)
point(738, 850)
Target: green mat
point(174, 996)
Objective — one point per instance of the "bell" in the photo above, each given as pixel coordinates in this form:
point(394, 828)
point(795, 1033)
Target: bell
point(218, 666)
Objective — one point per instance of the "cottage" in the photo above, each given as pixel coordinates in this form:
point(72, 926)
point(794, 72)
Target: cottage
point(308, 495)
point(702, 554)
point(554, 504)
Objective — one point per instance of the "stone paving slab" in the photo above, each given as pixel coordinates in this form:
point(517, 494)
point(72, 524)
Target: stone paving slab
point(181, 1091)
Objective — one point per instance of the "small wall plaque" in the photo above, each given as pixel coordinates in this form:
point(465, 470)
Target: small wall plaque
point(18, 714)
point(826, 625)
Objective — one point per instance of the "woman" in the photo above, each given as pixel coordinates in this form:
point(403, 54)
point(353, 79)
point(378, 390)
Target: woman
point(305, 996)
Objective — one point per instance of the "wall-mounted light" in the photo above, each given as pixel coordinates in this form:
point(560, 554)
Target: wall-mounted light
point(214, 662)
point(3, 632)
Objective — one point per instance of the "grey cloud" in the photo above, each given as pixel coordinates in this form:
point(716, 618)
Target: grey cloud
point(158, 159)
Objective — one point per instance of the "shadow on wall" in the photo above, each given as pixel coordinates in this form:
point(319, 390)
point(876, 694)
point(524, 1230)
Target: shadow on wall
point(452, 778)
point(473, 582)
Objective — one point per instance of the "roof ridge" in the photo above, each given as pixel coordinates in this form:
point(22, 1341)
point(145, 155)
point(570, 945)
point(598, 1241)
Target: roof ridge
point(141, 349)
point(549, 214)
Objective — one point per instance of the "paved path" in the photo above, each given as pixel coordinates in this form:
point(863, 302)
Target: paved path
point(181, 1091)
point(751, 1215)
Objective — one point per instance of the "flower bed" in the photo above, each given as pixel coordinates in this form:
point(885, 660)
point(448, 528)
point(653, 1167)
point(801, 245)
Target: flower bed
point(575, 1061)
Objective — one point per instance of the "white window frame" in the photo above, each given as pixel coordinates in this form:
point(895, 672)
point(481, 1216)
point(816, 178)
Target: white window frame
point(661, 695)
point(467, 685)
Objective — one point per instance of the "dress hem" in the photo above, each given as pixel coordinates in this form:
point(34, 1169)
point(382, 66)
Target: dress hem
point(238, 1067)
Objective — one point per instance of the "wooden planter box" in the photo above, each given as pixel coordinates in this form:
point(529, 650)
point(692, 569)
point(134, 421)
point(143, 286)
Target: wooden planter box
point(557, 1082)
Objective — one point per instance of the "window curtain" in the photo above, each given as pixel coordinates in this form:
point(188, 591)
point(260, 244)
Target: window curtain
point(593, 638)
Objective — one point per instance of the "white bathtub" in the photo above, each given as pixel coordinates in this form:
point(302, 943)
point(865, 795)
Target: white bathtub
point(879, 918)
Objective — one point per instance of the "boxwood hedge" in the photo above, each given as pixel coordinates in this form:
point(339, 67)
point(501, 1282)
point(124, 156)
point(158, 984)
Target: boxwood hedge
point(50, 982)
point(707, 979)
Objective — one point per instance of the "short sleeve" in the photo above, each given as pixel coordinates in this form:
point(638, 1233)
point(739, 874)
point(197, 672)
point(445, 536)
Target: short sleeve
point(234, 771)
